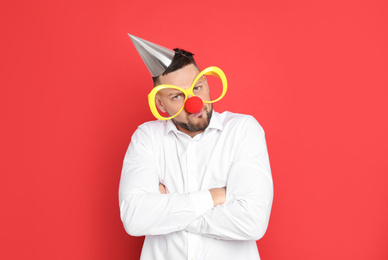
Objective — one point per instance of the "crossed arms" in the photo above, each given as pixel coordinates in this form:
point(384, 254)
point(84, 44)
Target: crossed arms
point(218, 194)
point(238, 212)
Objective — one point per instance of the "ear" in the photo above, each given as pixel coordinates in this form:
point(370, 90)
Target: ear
point(159, 103)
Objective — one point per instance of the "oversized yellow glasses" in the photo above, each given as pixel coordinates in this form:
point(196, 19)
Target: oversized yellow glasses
point(199, 91)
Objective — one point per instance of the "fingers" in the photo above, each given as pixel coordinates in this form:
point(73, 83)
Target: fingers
point(218, 195)
point(162, 189)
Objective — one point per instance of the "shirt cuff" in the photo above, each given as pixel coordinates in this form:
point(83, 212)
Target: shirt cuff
point(194, 227)
point(202, 201)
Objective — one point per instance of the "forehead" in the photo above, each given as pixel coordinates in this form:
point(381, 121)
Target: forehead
point(183, 77)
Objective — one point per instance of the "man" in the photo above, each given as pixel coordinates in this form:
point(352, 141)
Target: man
point(198, 186)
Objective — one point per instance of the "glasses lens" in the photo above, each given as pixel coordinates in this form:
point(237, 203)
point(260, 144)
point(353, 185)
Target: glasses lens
point(215, 87)
point(171, 99)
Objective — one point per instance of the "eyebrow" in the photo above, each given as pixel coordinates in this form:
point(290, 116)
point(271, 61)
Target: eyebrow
point(173, 93)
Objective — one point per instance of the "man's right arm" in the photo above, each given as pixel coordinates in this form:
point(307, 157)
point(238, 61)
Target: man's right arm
point(143, 209)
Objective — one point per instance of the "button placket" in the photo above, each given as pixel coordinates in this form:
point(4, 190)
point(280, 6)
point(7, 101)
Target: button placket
point(189, 165)
point(190, 183)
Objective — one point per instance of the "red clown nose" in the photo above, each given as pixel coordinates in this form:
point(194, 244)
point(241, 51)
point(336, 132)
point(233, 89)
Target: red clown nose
point(193, 105)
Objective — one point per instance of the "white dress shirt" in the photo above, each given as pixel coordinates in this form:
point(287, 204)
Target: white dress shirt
point(184, 224)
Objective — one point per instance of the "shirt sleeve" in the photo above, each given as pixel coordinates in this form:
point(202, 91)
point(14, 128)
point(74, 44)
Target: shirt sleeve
point(245, 215)
point(143, 209)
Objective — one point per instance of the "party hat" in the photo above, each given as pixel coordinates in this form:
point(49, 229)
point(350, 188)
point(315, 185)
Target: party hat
point(157, 58)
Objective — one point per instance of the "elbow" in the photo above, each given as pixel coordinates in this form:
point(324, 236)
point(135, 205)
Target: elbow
point(130, 224)
point(256, 221)
point(254, 227)
point(132, 230)
point(130, 227)
point(260, 223)
point(258, 230)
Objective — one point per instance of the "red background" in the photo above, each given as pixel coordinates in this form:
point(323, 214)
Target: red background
point(73, 90)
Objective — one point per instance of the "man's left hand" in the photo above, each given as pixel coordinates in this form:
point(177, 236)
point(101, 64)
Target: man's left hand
point(162, 189)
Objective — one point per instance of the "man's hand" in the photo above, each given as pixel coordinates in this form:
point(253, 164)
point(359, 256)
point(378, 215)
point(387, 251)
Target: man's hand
point(162, 189)
point(218, 195)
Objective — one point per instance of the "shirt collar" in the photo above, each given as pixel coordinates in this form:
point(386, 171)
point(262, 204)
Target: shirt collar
point(170, 126)
point(215, 123)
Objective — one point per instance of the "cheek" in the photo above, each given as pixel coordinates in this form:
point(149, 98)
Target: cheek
point(206, 98)
point(208, 106)
point(181, 117)
point(204, 95)
point(172, 108)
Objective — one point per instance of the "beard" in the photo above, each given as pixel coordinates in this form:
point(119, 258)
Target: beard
point(199, 126)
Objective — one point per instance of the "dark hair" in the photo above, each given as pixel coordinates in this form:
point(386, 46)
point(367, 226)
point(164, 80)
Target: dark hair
point(181, 59)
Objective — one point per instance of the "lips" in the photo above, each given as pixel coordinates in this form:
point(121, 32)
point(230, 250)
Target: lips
point(198, 114)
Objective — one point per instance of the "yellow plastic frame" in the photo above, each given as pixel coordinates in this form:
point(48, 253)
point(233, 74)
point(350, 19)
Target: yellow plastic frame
point(212, 71)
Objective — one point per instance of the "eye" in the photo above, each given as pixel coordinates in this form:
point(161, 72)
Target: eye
point(197, 88)
point(176, 97)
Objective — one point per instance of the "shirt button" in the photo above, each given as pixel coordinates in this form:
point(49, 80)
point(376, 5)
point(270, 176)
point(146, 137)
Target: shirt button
point(191, 172)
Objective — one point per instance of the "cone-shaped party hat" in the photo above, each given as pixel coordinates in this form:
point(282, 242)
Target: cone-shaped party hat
point(157, 58)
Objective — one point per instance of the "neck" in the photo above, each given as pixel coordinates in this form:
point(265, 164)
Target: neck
point(189, 133)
